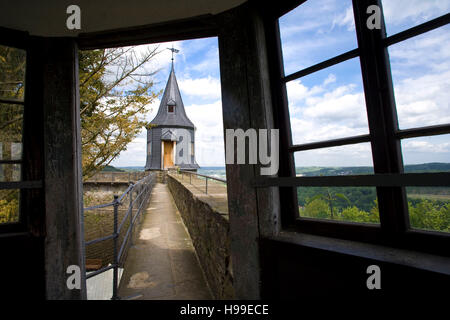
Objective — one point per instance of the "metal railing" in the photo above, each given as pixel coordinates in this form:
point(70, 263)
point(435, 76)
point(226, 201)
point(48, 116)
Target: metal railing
point(190, 173)
point(143, 189)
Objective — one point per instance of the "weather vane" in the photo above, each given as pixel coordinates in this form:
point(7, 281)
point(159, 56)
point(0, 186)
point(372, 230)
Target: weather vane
point(173, 51)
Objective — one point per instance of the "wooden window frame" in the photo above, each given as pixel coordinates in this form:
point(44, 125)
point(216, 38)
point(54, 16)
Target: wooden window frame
point(30, 185)
point(384, 135)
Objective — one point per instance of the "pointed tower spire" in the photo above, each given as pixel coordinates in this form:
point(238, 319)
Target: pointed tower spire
point(171, 109)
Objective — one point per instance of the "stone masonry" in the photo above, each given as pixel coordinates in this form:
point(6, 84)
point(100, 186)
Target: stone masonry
point(206, 218)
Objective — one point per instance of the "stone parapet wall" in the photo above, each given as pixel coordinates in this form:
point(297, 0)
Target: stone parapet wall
point(209, 231)
point(114, 176)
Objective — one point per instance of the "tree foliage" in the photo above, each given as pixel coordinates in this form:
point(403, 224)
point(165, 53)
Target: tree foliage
point(115, 90)
point(423, 214)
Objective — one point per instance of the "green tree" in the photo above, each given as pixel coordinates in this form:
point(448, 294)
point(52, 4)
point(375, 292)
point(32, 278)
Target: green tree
point(331, 197)
point(427, 215)
point(316, 208)
point(355, 215)
point(115, 91)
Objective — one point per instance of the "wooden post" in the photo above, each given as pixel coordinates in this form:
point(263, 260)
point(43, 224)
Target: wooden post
point(246, 102)
point(62, 158)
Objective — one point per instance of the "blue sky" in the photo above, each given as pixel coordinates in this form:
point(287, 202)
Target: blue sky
point(330, 103)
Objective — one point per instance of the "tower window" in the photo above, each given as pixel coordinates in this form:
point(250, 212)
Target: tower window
point(170, 109)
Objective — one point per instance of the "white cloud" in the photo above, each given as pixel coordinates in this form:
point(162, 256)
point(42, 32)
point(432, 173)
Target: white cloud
point(421, 74)
point(408, 13)
point(330, 79)
point(315, 31)
point(351, 155)
point(163, 59)
point(203, 88)
point(209, 133)
point(421, 145)
point(345, 19)
point(320, 113)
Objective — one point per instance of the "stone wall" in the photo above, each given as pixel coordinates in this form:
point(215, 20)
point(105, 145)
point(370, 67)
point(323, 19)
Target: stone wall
point(209, 231)
point(114, 176)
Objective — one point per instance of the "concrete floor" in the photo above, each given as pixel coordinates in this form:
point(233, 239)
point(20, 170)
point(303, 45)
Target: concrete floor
point(162, 263)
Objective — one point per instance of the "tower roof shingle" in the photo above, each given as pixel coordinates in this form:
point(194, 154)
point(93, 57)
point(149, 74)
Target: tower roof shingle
point(172, 97)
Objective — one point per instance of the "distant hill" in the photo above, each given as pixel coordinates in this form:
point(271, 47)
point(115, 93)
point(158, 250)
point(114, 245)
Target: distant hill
point(428, 167)
point(111, 169)
point(339, 171)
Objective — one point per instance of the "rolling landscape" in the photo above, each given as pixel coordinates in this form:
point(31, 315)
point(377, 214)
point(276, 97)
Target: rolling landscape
point(429, 207)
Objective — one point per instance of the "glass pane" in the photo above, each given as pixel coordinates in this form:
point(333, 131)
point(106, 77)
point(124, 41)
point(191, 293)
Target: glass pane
point(343, 160)
point(9, 172)
point(400, 15)
point(9, 206)
point(421, 75)
point(11, 118)
point(12, 72)
point(429, 208)
point(426, 154)
point(328, 104)
point(316, 31)
point(350, 204)
point(355, 204)
point(10, 150)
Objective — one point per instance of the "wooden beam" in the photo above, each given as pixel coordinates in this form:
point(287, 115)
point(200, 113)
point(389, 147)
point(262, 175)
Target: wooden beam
point(184, 29)
point(62, 161)
point(441, 179)
point(13, 38)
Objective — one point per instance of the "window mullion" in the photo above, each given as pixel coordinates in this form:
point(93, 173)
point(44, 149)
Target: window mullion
point(382, 117)
point(288, 195)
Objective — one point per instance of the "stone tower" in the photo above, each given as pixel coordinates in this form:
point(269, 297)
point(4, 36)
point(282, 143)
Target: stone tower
point(171, 136)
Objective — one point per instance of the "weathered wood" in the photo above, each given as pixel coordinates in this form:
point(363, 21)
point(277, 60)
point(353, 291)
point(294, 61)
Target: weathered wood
point(261, 110)
point(246, 101)
point(288, 195)
point(62, 158)
point(242, 204)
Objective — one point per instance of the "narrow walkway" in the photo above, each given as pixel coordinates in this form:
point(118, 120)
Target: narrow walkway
point(162, 264)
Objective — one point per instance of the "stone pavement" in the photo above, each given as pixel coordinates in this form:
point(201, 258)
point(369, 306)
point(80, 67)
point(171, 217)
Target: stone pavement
point(162, 263)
